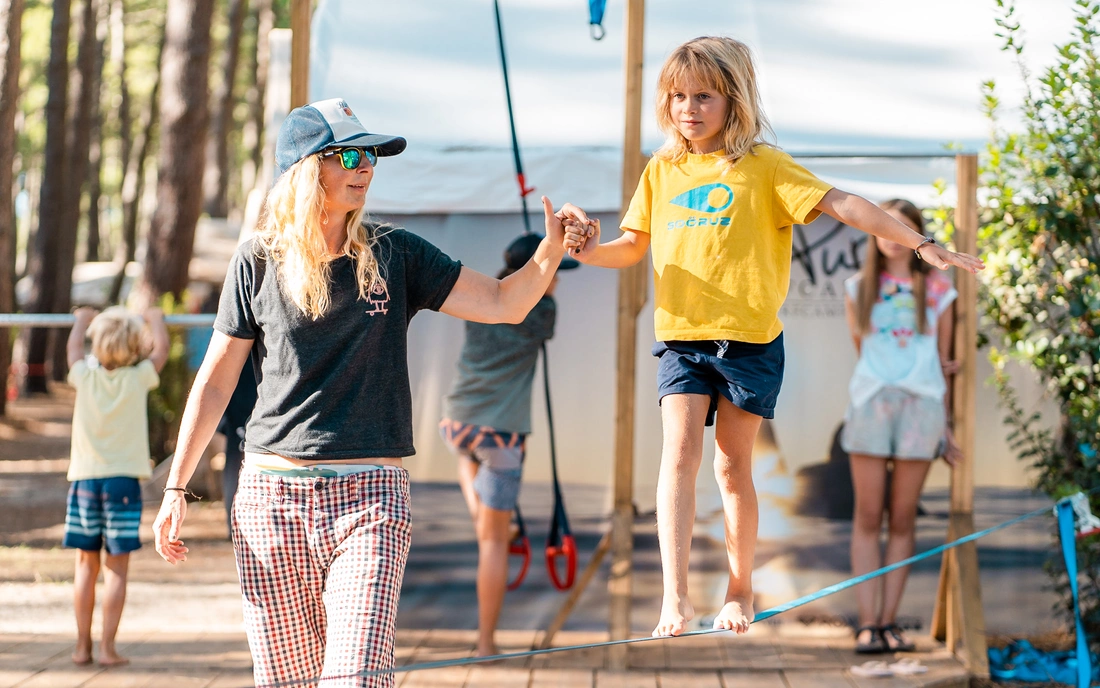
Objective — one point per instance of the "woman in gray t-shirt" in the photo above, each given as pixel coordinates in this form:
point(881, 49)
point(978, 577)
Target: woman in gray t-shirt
point(321, 301)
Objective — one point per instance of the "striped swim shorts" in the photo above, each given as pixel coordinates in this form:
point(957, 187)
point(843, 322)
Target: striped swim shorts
point(499, 456)
point(104, 512)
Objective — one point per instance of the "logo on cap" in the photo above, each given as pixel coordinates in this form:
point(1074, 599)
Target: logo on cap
point(347, 111)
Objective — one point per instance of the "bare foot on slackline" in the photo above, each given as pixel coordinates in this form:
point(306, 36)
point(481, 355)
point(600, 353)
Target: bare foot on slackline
point(675, 613)
point(736, 615)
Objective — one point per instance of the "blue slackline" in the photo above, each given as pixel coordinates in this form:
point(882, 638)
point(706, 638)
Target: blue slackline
point(1021, 661)
point(1067, 533)
point(767, 613)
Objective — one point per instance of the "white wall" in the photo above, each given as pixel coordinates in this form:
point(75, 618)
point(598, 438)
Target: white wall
point(820, 359)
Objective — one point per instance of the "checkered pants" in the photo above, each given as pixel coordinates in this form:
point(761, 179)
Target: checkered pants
point(320, 562)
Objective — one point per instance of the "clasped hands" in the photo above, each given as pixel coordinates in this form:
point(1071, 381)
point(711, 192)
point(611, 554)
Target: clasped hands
point(579, 230)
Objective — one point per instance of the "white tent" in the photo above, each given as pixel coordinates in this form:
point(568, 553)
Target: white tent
point(854, 77)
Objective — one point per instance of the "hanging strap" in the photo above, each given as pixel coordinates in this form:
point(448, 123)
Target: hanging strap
point(520, 179)
point(595, 18)
point(559, 541)
point(521, 547)
point(1067, 533)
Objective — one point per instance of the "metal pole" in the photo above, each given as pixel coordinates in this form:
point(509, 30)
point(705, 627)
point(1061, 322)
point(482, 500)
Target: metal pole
point(67, 320)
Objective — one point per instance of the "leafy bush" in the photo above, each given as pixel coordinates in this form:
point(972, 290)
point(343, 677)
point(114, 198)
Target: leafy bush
point(1041, 289)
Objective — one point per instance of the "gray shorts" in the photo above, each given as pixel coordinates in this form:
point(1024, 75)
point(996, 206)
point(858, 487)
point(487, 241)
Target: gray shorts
point(898, 424)
point(499, 457)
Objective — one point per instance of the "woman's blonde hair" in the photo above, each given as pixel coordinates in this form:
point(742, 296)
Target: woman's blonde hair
point(726, 66)
point(290, 236)
point(118, 338)
point(874, 263)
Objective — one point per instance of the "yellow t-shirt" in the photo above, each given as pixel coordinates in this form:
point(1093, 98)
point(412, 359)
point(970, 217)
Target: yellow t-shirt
point(111, 420)
point(721, 241)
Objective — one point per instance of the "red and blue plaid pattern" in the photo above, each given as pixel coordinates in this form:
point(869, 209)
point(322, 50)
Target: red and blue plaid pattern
point(320, 562)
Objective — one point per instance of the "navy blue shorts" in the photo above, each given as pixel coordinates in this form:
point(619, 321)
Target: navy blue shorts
point(749, 375)
point(104, 512)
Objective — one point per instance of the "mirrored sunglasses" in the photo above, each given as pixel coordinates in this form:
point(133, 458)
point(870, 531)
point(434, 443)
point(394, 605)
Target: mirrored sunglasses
point(351, 157)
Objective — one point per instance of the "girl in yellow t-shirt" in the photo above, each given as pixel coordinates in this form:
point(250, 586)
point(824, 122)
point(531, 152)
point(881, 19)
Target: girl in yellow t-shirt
point(716, 204)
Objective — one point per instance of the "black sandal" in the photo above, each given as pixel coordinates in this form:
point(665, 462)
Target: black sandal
point(893, 632)
point(877, 644)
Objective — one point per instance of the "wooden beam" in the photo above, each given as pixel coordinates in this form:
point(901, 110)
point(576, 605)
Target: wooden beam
point(970, 629)
point(632, 283)
point(301, 12)
point(966, 334)
point(958, 617)
point(566, 608)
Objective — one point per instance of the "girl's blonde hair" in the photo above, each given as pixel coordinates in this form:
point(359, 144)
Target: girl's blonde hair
point(874, 263)
point(290, 236)
point(118, 338)
point(725, 65)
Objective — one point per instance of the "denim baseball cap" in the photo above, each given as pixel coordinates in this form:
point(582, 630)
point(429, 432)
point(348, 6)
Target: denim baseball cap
point(523, 247)
point(325, 124)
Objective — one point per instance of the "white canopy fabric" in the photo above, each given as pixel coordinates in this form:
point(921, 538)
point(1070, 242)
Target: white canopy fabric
point(837, 76)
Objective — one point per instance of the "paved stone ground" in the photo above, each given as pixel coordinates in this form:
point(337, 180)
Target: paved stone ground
point(182, 625)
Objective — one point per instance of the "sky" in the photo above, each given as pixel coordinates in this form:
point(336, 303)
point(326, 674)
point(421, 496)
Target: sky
point(836, 76)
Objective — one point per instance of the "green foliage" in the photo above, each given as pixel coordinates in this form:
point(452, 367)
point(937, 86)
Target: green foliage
point(1041, 287)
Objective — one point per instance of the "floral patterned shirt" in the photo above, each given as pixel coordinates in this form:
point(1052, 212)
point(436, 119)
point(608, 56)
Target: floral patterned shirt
point(893, 353)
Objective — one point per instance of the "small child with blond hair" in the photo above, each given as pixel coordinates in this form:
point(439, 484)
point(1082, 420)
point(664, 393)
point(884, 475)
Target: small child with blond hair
point(110, 453)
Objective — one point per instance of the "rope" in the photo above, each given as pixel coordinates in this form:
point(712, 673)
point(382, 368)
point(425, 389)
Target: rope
point(766, 614)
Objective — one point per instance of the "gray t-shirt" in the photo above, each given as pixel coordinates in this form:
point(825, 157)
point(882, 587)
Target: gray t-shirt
point(496, 369)
point(336, 387)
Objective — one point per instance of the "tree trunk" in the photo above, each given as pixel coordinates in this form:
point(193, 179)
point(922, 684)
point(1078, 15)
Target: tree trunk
point(118, 59)
point(48, 240)
point(254, 128)
point(83, 85)
point(11, 18)
point(221, 121)
point(183, 115)
point(95, 152)
point(133, 184)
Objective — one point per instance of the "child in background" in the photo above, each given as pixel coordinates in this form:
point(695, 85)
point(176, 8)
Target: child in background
point(110, 453)
point(897, 411)
point(716, 203)
point(487, 417)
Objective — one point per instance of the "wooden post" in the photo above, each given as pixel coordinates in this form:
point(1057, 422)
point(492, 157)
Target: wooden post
point(958, 617)
point(632, 288)
point(585, 578)
point(300, 15)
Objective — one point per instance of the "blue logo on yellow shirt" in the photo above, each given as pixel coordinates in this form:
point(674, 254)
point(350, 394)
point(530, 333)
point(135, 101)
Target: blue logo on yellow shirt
point(704, 199)
point(709, 198)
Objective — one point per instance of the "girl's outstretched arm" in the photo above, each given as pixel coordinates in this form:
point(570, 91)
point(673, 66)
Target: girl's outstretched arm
point(865, 216)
